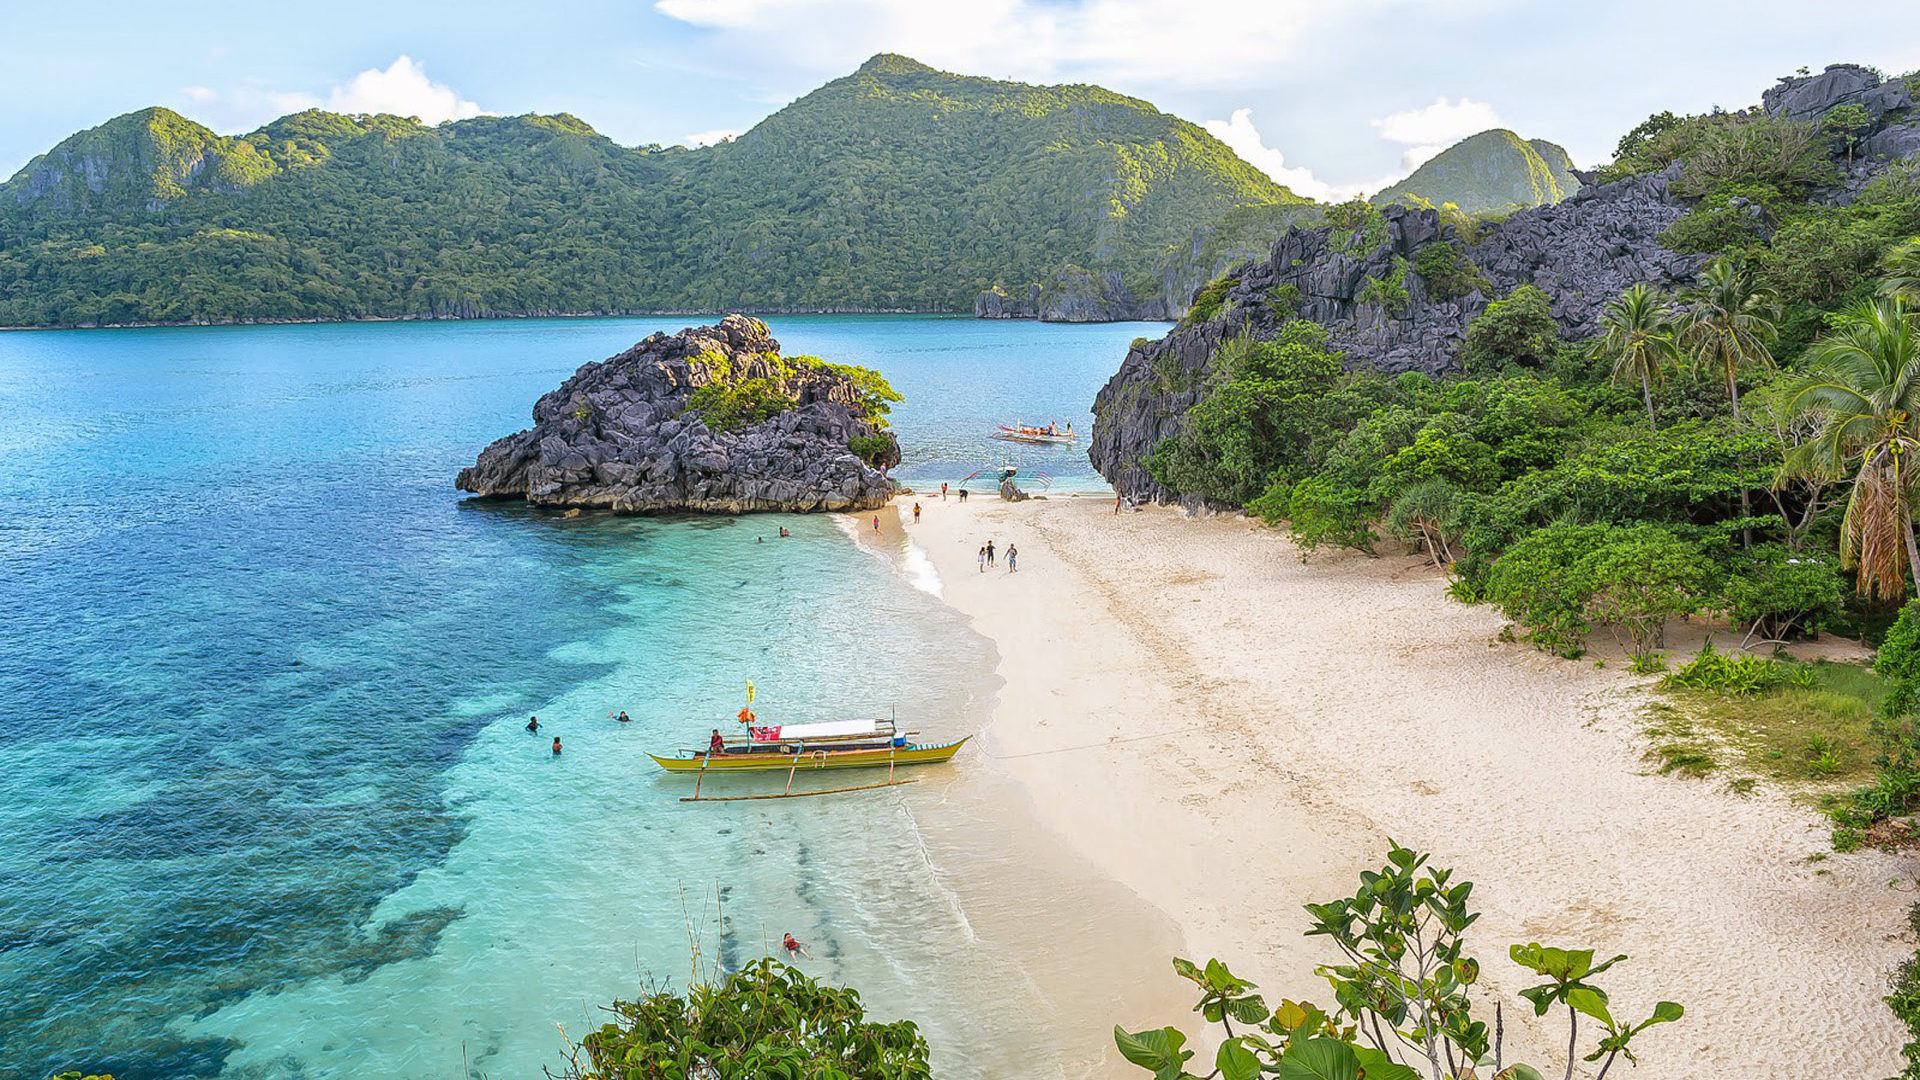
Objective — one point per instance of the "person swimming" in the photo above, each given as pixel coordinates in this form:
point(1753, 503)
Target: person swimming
point(624, 718)
point(556, 746)
point(795, 945)
point(533, 724)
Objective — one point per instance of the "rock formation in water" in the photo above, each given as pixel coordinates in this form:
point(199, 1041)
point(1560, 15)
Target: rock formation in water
point(636, 433)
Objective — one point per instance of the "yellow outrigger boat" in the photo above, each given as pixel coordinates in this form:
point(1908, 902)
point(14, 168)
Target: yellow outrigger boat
point(789, 748)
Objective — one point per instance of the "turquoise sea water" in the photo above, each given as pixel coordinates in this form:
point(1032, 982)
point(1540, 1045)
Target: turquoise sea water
point(268, 809)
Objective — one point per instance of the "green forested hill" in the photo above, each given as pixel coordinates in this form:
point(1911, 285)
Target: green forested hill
point(1492, 172)
point(895, 187)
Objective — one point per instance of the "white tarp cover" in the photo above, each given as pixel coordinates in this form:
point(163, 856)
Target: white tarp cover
point(832, 729)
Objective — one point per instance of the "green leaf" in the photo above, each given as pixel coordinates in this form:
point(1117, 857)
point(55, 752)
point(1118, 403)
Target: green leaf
point(1236, 1062)
point(1379, 1066)
point(1665, 1012)
point(1155, 1049)
point(1588, 1000)
point(1518, 1071)
point(1320, 1059)
point(1248, 1010)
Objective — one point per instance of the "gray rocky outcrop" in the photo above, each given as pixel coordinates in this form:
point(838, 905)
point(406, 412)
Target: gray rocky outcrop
point(618, 435)
point(1582, 252)
point(1810, 97)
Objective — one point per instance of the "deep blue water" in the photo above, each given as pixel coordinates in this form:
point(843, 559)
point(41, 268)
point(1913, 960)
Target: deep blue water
point(268, 810)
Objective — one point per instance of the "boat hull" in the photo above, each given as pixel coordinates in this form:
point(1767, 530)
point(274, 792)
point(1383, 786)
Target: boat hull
point(880, 757)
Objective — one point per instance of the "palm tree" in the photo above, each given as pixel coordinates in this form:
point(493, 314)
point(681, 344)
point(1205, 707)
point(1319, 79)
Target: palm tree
point(1638, 339)
point(1862, 386)
point(1902, 266)
point(1729, 323)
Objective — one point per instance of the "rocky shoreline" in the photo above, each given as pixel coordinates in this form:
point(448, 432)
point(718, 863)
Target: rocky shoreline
point(628, 433)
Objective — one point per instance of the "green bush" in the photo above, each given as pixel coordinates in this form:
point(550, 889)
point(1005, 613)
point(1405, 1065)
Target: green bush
point(1259, 423)
point(765, 1020)
point(1208, 301)
point(1516, 330)
point(1733, 673)
point(1322, 511)
point(1391, 292)
point(1558, 582)
point(725, 407)
point(1448, 276)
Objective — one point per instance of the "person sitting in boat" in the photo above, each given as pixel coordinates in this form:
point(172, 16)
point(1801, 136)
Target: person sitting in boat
point(716, 745)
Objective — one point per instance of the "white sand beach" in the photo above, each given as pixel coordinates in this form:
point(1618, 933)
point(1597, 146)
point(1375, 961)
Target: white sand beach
point(1231, 733)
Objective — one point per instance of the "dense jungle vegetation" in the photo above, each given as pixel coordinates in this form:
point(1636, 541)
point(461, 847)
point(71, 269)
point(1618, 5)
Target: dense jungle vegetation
point(897, 187)
point(1742, 449)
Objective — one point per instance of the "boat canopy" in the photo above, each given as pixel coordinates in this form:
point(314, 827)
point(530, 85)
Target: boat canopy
point(833, 729)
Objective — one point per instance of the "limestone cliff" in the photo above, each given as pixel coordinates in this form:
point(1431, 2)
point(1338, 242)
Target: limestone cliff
point(1582, 252)
point(629, 433)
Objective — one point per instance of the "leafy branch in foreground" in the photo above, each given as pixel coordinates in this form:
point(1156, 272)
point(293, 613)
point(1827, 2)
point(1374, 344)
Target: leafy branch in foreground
point(765, 1020)
point(1404, 997)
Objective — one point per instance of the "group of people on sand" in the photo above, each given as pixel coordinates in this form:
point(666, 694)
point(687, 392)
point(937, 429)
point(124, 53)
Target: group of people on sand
point(987, 557)
point(533, 727)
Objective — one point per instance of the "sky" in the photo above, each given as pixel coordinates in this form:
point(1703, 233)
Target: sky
point(1330, 97)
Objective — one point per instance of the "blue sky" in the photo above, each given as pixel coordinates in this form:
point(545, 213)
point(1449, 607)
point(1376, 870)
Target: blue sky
point(1330, 95)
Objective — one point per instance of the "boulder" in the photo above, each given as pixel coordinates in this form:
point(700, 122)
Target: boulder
point(1810, 97)
point(593, 444)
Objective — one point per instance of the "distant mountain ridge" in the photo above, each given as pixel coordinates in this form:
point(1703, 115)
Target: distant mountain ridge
point(1493, 172)
point(897, 187)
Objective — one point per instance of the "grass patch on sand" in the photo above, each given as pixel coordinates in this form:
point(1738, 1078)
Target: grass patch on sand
point(1813, 730)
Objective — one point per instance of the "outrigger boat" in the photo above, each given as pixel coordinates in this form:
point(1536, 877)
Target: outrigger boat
point(789, 748)
point(1049, 435)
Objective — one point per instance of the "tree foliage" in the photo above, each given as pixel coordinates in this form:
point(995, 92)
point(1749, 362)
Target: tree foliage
point(1516, 330)
point(764, 1020)
point(895, 188)
point(1403, 992)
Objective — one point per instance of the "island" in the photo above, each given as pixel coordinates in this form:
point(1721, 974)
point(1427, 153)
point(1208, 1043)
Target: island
point(712, 419)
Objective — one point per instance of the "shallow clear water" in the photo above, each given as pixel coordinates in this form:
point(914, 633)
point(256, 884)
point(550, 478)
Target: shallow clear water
point(269, 809)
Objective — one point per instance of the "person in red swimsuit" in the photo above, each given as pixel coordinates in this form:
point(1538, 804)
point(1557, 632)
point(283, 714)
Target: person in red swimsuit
point(794, 945)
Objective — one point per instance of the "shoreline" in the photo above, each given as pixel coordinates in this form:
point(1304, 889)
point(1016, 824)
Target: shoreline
point(512, 316)
point(1231, 734)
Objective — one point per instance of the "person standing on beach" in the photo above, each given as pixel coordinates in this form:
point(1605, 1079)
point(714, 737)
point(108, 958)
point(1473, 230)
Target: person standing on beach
point(1013, 556)
point(916, 513)
point(989, 553)
point(1116, 503)
point(983, 560)
point(876, 523)
point(943, 493)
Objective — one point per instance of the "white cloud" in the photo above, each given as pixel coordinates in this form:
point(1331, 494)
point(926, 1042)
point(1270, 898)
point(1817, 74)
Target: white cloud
point(401, 88)
point(1191, 43)
point(1441, 122)
point(1244, 139)
point(404, 90)
point(1428, 130)
point(708, 138)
